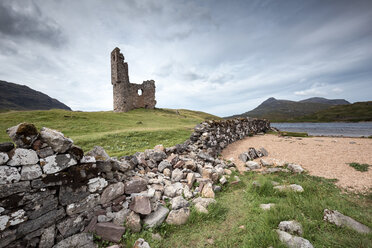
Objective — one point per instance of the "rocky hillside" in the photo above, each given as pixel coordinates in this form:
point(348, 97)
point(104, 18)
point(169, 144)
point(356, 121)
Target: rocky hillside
point(20, 97)
point(285, 110)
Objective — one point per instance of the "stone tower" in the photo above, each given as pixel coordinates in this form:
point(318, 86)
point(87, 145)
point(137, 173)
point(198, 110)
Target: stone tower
point(128, 96)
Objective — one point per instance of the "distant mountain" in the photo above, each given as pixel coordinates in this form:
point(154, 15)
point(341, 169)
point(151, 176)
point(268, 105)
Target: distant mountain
point(20, 97)
point(285, 110)
point(326, 101)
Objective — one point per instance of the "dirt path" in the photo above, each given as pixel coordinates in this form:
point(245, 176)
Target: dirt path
point(320, 156)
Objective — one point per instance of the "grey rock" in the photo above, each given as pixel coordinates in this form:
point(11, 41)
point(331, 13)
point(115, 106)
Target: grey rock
point(96, 184)
point(6, 146)
point(267, 206)
point(45, 152)
point(98, 153)
point(103, 218)
point(133, 222)
point(23, 135)
point(164, 164)
point(76, 152)
point(173, 189)
point(88, 160)
point(200, 208)
point(203, 201)
point(207, 191)
point(3, 158)
point(291, 226)
point(223, 180)
point(141, 243)
point(293, 241)
point(252, 165)
point(243, 157)
point(135, 185)
point(295, 168)
point(30, 172)
point(23, 157)
point(263, 151)
point(71, 226)
point(157, 217)
point(111, 192)
point(190, 179)
point(179, 202)
point(81, 240)
point(177, 175)
point(85, 205)
point(45, 220)
point(9, 175)
point(337, 218)
point(266, 162)
point(109, 231)
point(47, 238)
point(38, 208)
point(56, 140)
point(292, 187)
point(69, 194)
point(11, 189)
point(57, 163)
point(141, 205)
point(121, 216)
point(178, 217)
point(157, 155)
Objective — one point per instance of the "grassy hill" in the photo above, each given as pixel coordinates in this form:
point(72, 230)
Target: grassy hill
point(284, 110)
point(119, 133)
point(359, 111)
point(20, 97)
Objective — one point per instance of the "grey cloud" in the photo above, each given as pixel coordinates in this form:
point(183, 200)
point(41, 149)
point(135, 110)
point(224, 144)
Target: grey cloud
point(25, 20)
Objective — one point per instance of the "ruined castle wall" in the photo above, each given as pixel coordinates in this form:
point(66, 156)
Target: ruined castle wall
point(52, 193)
point(128, 96)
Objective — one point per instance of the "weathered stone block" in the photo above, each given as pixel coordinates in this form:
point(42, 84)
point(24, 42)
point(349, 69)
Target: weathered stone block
point(88, 203)
point(10, 189)
point(109, 231)
point(141, 205)
point(22, 156)
point(3, 158)
point(56, 140)
point(111, 192)
point(30, 172)
point(6, 146)
point(23, 135)
point(56, 163)
point(81, 240)
point(9, 175)
point(135, 185)
point(47, 237)
point(157, 217)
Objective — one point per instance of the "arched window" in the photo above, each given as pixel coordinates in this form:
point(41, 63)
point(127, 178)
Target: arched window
point(140, 92)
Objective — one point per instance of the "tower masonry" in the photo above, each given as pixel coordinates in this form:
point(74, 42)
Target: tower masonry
point(128, 96)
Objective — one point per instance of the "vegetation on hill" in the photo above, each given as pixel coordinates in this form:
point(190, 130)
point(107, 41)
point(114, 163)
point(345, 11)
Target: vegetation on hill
point(20, 97)
point(359, 111)
point(284, 110)
point(236, 220)
point(119, 133)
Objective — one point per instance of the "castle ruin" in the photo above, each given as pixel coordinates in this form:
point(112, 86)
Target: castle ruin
point(128, 96)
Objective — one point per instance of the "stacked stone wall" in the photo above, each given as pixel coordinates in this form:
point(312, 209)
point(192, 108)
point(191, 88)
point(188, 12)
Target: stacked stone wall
point(54, 195)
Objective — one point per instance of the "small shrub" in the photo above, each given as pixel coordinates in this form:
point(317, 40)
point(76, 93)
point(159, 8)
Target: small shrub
point(360, 167)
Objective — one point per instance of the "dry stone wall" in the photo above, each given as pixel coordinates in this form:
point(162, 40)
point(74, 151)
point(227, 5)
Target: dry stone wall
point(54, 195)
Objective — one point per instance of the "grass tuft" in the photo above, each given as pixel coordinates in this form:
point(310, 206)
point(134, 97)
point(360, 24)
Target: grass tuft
point(360, 167)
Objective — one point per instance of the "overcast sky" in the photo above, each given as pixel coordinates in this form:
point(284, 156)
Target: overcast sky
point(222, 57)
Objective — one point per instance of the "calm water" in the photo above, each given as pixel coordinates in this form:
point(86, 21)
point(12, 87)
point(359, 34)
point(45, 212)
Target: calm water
point(328, 129)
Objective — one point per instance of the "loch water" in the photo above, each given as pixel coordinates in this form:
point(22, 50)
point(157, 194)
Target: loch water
point(347, 129)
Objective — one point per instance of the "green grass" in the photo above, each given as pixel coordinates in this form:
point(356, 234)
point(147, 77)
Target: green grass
point(119, 133)
point(238, 205)
point(360, 167)
point(293, 134)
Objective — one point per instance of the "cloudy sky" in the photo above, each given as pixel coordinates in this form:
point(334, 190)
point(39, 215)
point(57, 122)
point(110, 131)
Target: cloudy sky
point(222, 57)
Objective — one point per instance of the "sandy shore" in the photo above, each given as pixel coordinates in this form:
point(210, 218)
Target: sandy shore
point(320, 156)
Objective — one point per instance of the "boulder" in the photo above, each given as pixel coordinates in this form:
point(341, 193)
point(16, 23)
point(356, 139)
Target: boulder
point(337, 218)
point(141, 205)
point(6, 146)
point(133, 222)
point(98, 153)
point(252, 165)
point(164, 164)
point(111, 192)
point(23, 157)
point(177, 175)
point(207, 191)
point(56, 140)
point(30, 172)
point(57, 163)
point(23, 135)
point(141, 243)
point(295, 168)
point(9, 175)
point(135, 185)
point(291, 226)
point(96, 184)
point(109, 231)
point(81, 240)
point(293, 241)
point(3, 158)
point(178, 217)
point(179, 202)
point(157, 217)
point(85, 205)
point(173, 189)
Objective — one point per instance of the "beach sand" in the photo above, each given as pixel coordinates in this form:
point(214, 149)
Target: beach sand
point(320, 156)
